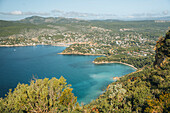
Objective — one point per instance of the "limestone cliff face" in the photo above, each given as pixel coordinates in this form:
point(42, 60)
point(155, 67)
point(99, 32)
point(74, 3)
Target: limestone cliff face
point(162, 50)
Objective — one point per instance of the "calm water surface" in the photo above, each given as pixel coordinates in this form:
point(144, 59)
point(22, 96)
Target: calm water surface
point(19, 64)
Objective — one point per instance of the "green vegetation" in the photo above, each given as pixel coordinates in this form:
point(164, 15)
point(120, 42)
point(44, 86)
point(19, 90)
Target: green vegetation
point(130, 40)
point(9, 28)
point(42, 95)
point(146, 90)
point(135, 93)
point(137, 62)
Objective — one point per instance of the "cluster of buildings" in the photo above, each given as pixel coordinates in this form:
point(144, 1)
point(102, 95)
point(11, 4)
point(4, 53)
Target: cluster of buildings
point(94, 40)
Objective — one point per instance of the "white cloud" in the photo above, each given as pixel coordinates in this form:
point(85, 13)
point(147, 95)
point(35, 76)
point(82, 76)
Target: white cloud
point(74, 14)
point(150, 14)
point(81, 15)
point(166, 12)
point(130, 16)
point(16, 13)
point(57, 11)
point(24, 13)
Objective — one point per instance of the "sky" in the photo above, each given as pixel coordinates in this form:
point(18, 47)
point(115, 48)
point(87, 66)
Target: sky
point(84, 9)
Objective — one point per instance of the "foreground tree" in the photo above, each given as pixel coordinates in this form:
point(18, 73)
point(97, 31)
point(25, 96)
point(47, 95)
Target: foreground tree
point(42, 95)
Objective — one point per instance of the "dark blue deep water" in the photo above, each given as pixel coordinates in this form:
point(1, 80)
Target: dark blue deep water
point(19, 64)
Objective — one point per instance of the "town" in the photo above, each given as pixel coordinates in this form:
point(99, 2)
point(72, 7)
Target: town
point(120, 39)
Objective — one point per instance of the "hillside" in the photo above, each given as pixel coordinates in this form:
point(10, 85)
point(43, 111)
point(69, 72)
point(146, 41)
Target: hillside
point(131, 42)
point(8, 28)
point(146, 90)
point(42, 20)
point(143, 91)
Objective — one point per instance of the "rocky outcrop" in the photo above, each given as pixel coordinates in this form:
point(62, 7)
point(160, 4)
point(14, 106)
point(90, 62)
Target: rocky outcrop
point(116, 78)
point(162, 50)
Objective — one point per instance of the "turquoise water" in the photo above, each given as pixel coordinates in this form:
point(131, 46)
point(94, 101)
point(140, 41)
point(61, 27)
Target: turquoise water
point(19, 64)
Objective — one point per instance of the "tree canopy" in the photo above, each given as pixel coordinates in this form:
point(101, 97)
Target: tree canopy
point(42, 95)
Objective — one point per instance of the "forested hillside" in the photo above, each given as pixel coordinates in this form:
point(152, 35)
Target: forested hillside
point(146, 90)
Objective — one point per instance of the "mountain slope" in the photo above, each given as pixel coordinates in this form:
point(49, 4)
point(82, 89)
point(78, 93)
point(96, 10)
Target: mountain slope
point(8, 28)
point(143, 91)
point(43, 20)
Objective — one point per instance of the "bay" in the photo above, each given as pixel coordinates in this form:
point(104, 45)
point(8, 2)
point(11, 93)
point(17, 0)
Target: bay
point(19, 64)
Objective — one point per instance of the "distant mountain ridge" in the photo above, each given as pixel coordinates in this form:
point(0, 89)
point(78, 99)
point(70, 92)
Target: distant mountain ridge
point(33, 19)
point(42, 20)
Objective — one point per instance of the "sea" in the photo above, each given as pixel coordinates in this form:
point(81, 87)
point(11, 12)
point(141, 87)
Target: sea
point(88, 80)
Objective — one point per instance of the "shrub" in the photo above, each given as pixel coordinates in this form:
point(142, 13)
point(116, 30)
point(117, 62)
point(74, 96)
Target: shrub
point(42, 95)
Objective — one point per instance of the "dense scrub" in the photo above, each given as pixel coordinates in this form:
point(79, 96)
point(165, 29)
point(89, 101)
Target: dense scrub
point(42, 95)
point(143, 91)
point(137, 62)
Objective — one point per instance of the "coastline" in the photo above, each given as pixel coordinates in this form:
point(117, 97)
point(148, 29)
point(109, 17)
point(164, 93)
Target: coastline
point(61, 45)
point(114, 78)
point(72, 53)
point(112, 62)
point(19, 45)
point(77, 53)
point(15, 45)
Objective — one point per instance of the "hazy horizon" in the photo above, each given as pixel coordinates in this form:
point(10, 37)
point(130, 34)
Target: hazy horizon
point(86, 10)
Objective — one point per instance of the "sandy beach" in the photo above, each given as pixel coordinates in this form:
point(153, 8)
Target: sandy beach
point(106, 62)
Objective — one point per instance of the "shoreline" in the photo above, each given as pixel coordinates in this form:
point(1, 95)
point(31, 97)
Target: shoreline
point(112, 62)
point(85, 54)
point(17, 45)
point(76, 53)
